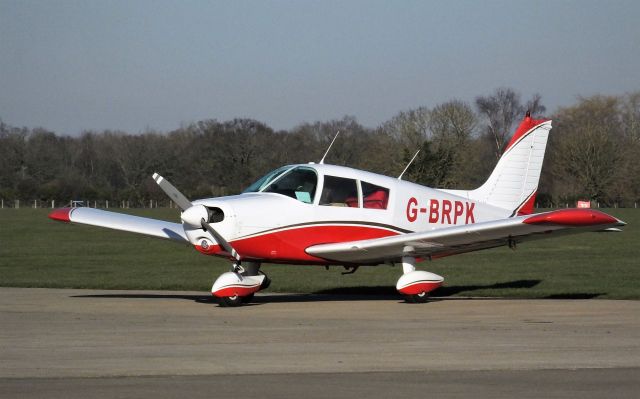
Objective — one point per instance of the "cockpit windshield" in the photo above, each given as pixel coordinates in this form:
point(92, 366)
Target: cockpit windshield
point(262, 182)
point(295, 182)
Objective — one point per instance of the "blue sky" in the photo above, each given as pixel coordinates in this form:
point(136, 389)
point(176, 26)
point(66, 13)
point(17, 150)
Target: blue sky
point(137, 65)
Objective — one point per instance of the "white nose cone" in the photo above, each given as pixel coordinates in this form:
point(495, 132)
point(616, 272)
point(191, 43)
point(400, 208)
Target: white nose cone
point(194, 215)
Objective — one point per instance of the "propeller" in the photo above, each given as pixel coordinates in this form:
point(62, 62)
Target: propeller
point(195, 215)
point(173, 193)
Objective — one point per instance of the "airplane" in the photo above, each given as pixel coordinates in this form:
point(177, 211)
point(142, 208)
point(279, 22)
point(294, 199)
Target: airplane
point(321, 214)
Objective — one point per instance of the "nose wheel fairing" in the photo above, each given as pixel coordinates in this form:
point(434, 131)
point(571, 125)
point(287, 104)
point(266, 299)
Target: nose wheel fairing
point(240, 284)
point(231, 284)
point(417, 282)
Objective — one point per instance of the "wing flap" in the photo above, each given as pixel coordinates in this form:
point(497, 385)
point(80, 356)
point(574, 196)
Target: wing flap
point(467, 238)
point(121, 221)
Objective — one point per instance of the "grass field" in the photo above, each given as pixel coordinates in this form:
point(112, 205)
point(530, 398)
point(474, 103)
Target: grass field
point(38, 252)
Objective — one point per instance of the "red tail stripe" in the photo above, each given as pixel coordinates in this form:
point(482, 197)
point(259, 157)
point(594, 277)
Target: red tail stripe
point(526, 125)
point(527, 207)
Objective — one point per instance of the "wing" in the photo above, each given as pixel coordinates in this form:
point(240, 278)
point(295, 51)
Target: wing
point(467, 238)
point(121, 221)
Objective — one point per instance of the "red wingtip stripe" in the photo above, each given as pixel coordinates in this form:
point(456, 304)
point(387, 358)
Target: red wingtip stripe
point(526, 125)
point(572, 217)
point(61, 214)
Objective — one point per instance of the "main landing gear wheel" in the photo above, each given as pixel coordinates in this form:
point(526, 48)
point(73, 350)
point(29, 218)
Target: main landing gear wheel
point(231, 301)
point(417, 298)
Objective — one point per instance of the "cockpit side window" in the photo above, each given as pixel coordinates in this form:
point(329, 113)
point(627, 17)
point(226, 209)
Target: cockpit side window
point(338, 191)
point(374, 197)
point(299, 183)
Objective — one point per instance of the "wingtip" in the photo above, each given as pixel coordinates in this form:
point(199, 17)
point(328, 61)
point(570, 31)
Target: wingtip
point(574, 217)
point(157, 178)
point(61, 214)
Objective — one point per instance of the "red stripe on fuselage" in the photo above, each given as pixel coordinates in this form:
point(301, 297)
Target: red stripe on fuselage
point(288, 246)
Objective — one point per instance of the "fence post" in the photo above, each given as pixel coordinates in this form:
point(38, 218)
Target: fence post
point(53, 204)
point(3, 203)
point(107, 204)
point(17, 204)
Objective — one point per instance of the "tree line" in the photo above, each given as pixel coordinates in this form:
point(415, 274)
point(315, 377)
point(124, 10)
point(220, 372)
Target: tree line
point(593, 152)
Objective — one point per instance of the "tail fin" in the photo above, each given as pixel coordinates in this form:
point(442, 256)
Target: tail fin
point(514, 181)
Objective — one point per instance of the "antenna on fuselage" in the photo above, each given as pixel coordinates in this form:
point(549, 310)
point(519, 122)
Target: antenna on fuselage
point(325, 154)
point(409, 164)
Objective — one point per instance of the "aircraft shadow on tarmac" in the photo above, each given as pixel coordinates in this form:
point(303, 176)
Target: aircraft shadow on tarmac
point(353, 294)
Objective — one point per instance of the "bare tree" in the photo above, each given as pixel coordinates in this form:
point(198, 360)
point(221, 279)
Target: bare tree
point(535, 107)
point(501, 110)
point(585, 149)
point(410, 128)
point(452, 125)
point(630, 115)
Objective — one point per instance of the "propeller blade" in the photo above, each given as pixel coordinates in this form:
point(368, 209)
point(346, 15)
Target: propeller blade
point(221, 241)
point(173, 193)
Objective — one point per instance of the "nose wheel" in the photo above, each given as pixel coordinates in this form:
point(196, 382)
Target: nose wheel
point(421, 297)
point(233, 301)
point(240, 284)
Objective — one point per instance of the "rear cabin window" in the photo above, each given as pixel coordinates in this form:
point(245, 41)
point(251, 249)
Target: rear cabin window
point(339, 191)
point(374, 197)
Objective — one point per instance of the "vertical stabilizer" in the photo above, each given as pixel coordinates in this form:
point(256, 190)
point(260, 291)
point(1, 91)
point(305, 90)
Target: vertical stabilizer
point(514, 181)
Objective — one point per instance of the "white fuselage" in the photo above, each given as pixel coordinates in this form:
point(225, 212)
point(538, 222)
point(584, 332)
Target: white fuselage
point(267, 226)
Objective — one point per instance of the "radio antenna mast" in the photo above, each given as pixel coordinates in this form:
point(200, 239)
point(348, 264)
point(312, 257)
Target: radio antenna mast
point(325, 154)
point(409, 164)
